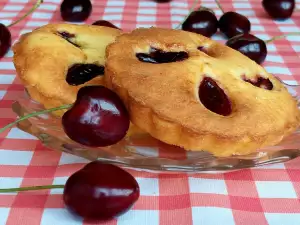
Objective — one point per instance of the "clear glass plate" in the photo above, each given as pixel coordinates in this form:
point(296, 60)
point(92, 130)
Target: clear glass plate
point(141, 151)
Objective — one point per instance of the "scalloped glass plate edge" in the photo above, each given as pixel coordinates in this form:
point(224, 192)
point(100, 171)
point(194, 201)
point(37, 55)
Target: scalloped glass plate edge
point(48, 130)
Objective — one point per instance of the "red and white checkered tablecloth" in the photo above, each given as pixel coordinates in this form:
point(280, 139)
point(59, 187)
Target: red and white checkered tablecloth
point(266, 195)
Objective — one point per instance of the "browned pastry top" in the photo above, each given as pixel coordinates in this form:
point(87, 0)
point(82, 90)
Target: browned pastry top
point(169, 94)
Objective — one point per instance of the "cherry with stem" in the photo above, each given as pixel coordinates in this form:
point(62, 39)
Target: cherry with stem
point(232, 23)
point(5, 35)
point(252, 46)
point(98, 191)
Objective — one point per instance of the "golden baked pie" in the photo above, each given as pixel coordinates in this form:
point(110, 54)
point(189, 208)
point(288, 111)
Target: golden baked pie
point(190, 91)
point(56, 60)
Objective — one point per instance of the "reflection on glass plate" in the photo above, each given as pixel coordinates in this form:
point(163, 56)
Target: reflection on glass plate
point(141, 151)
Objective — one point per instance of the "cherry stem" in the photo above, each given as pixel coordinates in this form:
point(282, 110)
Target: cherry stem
point(35, 114)
point(190, 11)
point(33, 188)
point(281, 36)
point(219, 6)
point(36, 5)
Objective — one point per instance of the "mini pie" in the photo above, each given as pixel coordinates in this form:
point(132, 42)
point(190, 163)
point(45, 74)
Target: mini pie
point(190, 91)
point(48, 60)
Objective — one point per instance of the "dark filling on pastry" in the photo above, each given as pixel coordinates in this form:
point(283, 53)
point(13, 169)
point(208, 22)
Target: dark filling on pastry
point(159, 56)
point(68, 36)
point(81, 73)
point(260, 82)
point(213, 97)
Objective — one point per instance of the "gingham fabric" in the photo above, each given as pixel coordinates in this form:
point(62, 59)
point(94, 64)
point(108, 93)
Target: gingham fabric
point(266, 195)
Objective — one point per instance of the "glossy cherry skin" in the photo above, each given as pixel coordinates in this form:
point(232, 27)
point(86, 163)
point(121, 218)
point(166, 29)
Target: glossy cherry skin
point(279, 9)
point(5, 40)
point(232, 24)
point(75, 10)
point(213, 97)
point(97, 118)
point(105, 23)
point(249, 45)
point(202, 22)
point(100, 191)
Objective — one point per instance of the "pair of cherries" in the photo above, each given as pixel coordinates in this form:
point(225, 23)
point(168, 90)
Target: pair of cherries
point(236, 27)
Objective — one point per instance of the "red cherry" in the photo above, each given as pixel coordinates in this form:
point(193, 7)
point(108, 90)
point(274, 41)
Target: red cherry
point(105, 23)
point(75, 10)
point(232, 24)
point(202, 21)
point(279, 9)
point(100, 191)
point(249, 45)
point(213, 97)
point(5, 40)
point(97, 118)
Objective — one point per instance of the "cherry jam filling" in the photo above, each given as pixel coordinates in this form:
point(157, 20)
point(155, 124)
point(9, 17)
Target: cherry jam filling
point(213, 97)
point(260, 82)
point(68, 36)
point(157, 56)
point(82, 73)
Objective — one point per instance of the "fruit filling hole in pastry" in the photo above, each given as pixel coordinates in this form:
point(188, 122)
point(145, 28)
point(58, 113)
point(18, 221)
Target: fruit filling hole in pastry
point(159, 56)
point(213, 97)
point(68, 37)
point(81, 73)
point(260, 82)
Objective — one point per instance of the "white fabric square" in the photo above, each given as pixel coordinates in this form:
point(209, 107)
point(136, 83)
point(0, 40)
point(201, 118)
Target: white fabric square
point(2, 93)
point(7, 66)
point(212, 216)
point(13, 7)
point(139, 217)
point(283, 219)
point(16, 133)
point(10, 182)
point(147, 11)
point(12, 157)
point(36, 23)
point(278, 70)
point(148, 186)
point(274, 58)
point(48, 7)
point(7, 78)
point(275, 189)
point(42, 15)
point(115, 3)
point(243, 5)
point(58, 181)
point(112, 17)
point(145, 18)
point(199, 185)
point(8, 14)
point(113, 10)
point(257, 28)
point(4, 215)
point(289, 28)
point(60, 217)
